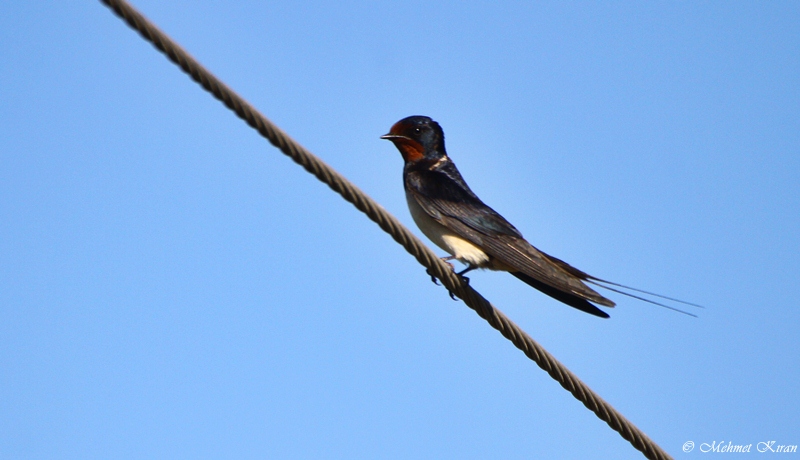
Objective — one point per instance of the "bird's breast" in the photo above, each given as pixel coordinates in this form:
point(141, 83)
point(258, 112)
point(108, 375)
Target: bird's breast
point(463, 250)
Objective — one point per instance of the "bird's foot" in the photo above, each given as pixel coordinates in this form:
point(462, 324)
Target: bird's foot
point(463, 278)
point(446, 260)
point(433, 278)
point(461, 274)
point(436, 281)
point(468, 269)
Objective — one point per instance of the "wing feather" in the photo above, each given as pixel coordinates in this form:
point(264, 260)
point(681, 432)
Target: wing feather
point(449, 200)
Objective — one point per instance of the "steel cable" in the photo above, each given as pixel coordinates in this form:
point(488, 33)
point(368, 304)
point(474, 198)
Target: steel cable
point(393, 227)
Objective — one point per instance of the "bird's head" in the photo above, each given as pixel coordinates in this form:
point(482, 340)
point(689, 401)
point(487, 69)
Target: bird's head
point(417, 137)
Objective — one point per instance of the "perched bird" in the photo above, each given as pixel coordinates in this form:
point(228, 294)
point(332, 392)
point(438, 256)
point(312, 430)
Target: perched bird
point(455, 219)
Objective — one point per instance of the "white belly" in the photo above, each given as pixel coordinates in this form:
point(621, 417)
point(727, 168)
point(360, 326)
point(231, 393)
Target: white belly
point(458, 247)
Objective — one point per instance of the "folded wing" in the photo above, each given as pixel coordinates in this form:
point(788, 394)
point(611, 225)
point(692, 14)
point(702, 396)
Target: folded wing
point(455, 206)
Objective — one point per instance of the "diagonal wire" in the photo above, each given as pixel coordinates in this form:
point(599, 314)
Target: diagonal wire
point(393, 227)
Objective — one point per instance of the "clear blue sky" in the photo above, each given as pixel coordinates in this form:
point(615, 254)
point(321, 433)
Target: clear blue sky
point(173, 287)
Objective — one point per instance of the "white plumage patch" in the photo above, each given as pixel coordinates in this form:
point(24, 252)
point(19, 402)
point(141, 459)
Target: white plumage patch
point(458, 247)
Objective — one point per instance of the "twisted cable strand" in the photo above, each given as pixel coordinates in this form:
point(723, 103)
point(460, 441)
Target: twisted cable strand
point(393, 227)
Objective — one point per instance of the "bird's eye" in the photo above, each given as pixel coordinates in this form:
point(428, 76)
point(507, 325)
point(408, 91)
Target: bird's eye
point(417, 130)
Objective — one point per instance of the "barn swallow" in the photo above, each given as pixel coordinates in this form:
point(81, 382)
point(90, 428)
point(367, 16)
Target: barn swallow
point(448, 212)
